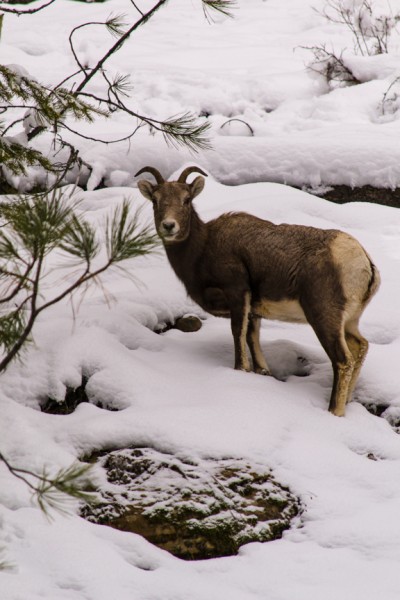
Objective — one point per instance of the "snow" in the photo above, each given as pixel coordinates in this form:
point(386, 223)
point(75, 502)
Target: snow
point(177, 392)
point(179, 62)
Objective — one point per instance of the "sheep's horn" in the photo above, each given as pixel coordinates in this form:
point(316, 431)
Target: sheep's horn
point(159, 178)
point(186, 172)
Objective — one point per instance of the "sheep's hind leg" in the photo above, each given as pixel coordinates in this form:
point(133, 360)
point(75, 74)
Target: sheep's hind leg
point(253, 341)
point(358, 346)
point(342, 376)
point(331, 334)
point(343, 364)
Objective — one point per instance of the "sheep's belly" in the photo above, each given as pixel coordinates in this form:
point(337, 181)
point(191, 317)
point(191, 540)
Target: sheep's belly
point(283, 310)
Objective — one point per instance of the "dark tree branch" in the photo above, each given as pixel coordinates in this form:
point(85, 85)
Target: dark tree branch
point(184, 122)
point(30, 11)
point(145, 17)
point(23, 278)
point(18, 472)
point(53, 104)
point(94, 139)
point(137, 8)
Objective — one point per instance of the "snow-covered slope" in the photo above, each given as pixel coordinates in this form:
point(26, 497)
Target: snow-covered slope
point(252, 68)
point(177, 392)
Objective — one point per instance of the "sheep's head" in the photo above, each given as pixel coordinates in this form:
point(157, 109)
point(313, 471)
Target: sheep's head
point(172, 202)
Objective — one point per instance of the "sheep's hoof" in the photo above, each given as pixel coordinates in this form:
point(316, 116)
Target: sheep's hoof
point(243, 368)
point(338, 412)
point(261, 371)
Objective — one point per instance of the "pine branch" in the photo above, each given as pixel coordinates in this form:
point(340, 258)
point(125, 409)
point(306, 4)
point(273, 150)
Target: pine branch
point(35, 226)
point(12, 327)
point(120, 84)
point(144, 18)
point(50, 107)
point(50, 492)
point(222, 6)
point(114, 25)
point(123, 240)
point(17, 157)
point(21, 278)
point(126, 137)
point(184, 130)
point(179, 130)
point(80, 241)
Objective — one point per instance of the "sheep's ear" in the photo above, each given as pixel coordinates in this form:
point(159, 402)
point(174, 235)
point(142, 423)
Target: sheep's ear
point(146, 188)
point(197, 186)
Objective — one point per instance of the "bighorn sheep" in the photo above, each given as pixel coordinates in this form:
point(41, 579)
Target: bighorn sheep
point(244, 268)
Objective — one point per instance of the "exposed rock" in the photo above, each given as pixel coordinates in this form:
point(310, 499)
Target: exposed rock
point(188, 324)
point(194, 509)
point(73, 397)
point(343, 193)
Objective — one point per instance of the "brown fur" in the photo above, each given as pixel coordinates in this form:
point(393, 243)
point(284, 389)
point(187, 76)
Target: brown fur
point(245, 268)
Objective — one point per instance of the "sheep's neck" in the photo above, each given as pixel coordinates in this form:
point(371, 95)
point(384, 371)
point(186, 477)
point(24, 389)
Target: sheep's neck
point(183, 256)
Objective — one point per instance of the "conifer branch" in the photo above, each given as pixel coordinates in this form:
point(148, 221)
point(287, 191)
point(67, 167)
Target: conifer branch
point(48, 108)
point(32, 228)
point(49, 491)
point(178, 130)
point(222, 6)
point(144, 18)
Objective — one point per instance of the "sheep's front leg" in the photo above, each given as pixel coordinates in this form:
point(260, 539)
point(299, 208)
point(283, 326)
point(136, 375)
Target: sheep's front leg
point(240, 311)
point(253, 340)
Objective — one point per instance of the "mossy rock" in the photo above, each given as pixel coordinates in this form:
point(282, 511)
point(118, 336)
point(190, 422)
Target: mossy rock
point(194, 509)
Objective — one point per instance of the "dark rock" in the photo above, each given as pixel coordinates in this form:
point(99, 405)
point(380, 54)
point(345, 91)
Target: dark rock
point(342, 194)
point(188, 324)
point(73, 397)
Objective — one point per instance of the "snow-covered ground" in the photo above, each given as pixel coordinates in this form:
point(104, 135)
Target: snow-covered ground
point(252, 68)
point(177, 392)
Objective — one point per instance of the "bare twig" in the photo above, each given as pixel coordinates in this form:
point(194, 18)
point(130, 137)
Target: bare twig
point(19, 12)
point(239, 121)
point(137, 8)
point(331, 66)
point(390, 100)
point(371, 31)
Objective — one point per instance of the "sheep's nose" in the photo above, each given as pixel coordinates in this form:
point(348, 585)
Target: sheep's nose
point(169, 226)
